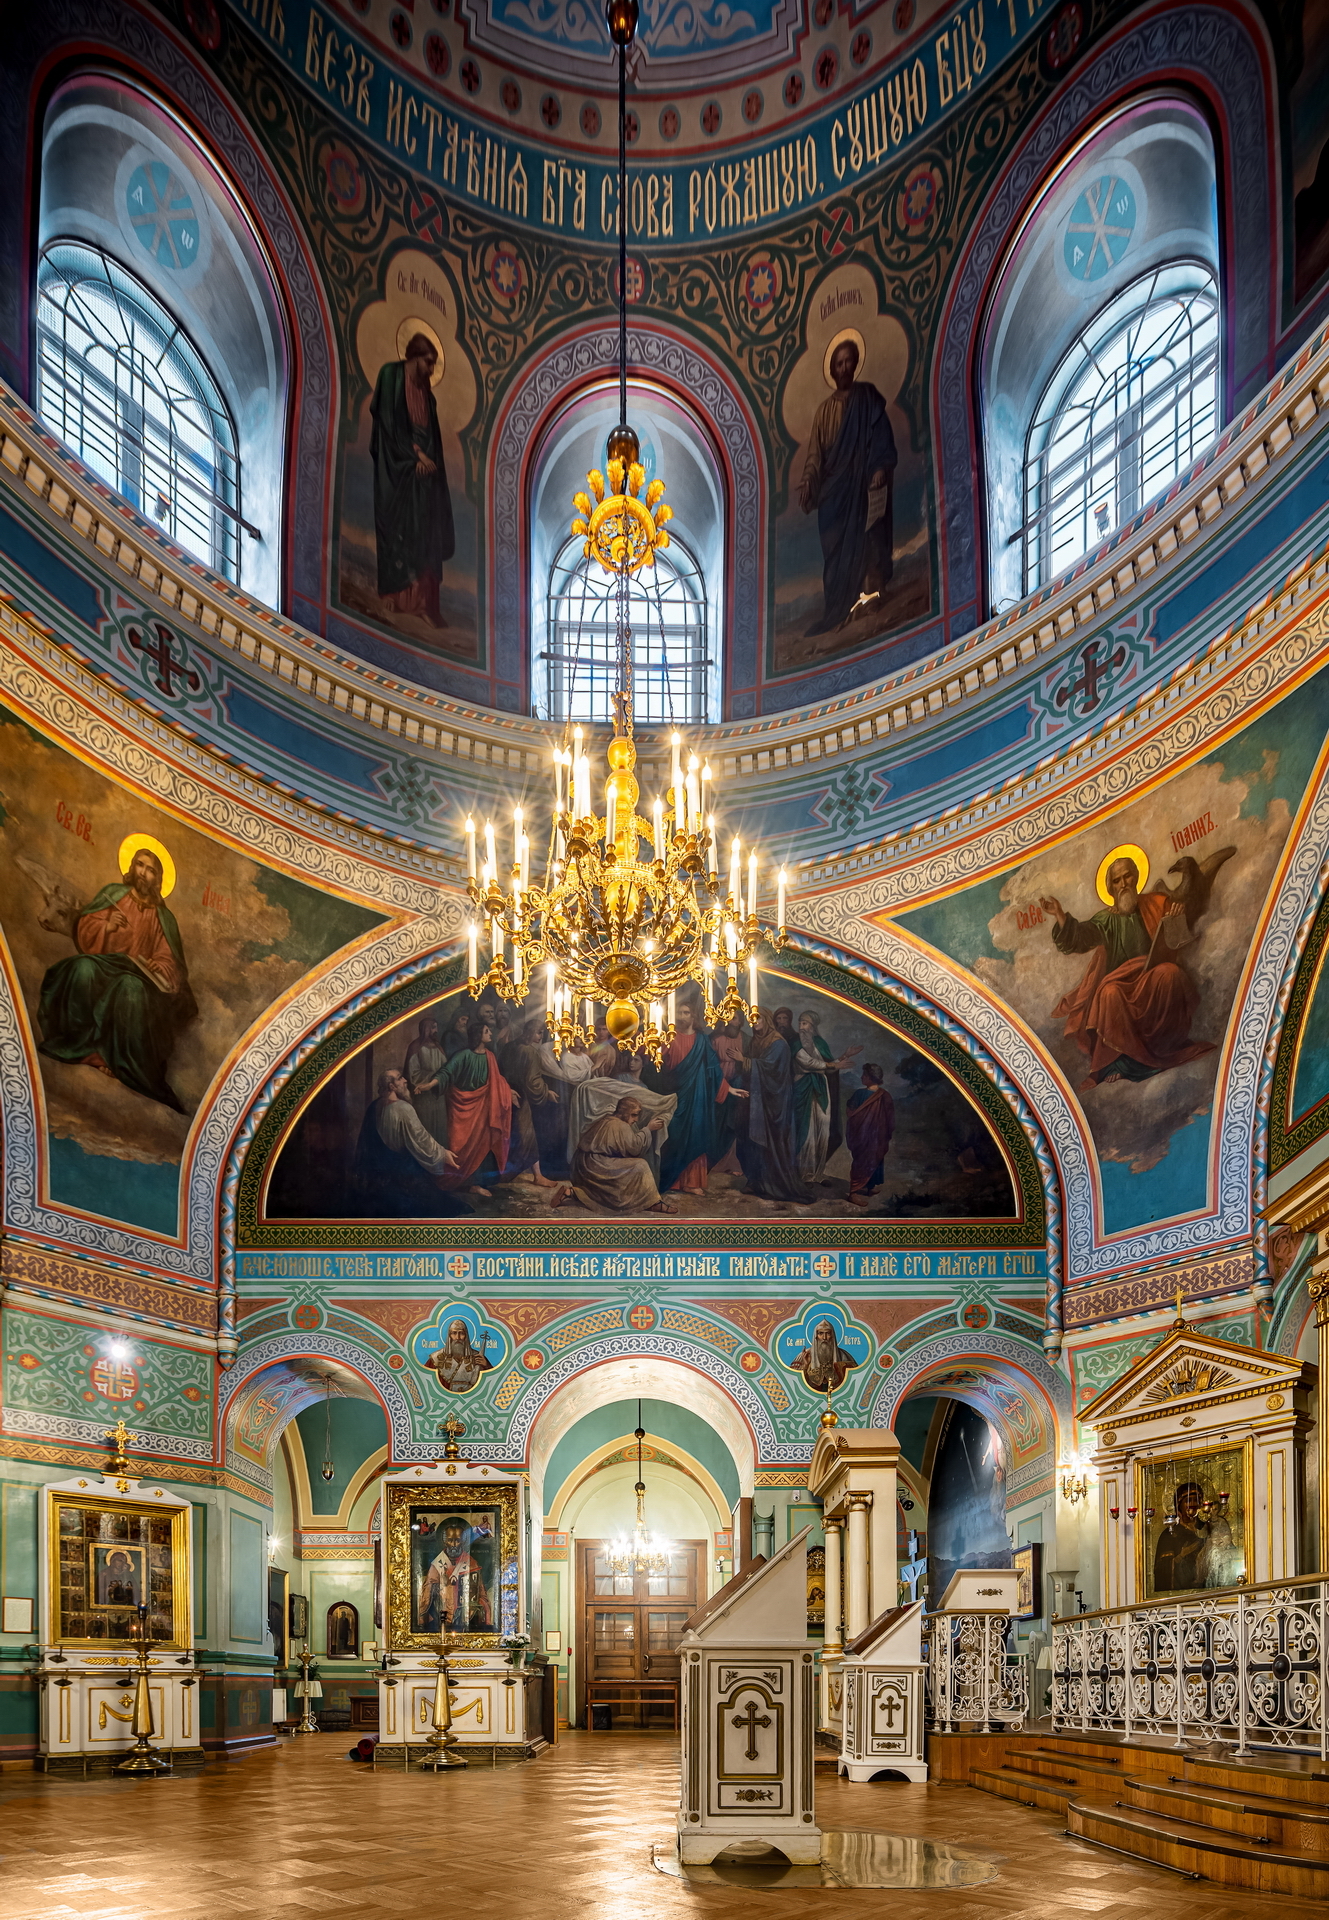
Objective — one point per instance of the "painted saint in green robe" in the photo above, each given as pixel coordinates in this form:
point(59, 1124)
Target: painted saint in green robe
point(119, 1003)
point(412, 506)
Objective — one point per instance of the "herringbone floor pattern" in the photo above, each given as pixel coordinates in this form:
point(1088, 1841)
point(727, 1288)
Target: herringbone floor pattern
point(298, 1829)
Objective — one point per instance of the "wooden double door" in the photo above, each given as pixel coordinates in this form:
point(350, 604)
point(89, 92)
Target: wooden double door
point(631, 1625)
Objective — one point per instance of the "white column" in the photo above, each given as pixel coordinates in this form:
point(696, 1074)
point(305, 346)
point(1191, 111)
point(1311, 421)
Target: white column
point(857, 1582)
point(834, 1610)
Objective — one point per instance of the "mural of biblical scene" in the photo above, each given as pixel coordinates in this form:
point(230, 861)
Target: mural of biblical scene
point(852, 545)
point(407, 536)
point(1123, 948)
point(817, 1109)
point(143, 952)
point(1310, 149)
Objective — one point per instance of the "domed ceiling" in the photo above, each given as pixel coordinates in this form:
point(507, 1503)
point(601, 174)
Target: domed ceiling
point(704, 74)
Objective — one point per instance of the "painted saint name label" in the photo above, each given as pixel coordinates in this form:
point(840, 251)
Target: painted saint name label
point(514, 177)
point(1193, 831)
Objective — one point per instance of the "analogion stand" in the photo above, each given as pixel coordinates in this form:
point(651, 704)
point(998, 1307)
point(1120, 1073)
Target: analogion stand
point(454, 1564)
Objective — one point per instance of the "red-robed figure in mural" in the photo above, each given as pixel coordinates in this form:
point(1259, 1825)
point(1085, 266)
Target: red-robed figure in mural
point(1132, 1011)
point(479, 1102)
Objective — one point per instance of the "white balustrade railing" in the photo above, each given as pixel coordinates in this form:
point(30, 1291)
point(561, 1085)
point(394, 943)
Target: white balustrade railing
point(970, 1678)
point(1245, 1666)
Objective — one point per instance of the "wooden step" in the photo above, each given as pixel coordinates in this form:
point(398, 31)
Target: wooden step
point(1255, 1816)
point(1029, 1789)
point(1190, 1847)
point(1044, 1760)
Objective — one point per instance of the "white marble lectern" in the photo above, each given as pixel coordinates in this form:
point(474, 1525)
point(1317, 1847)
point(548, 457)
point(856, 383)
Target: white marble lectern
point(749, 1716)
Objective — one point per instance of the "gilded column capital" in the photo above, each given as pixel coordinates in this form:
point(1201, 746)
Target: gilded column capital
point(1317, 1285)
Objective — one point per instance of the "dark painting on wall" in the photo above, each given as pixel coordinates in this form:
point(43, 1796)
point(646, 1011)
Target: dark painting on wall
point(407, 533)
point(852, 545)
point(1309, 129)
point(817, 1110)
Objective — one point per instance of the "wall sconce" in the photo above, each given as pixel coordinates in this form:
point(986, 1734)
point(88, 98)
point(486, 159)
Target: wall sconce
point(1074, 1481)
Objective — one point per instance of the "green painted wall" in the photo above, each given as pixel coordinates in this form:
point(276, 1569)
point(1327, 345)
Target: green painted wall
point(596, 1430)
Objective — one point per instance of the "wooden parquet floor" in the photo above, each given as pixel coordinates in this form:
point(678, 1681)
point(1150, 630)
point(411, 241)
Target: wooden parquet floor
point(298, 1829)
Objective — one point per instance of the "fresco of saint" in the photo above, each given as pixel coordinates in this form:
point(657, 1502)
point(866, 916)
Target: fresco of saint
point(119, 1003)
point(458, 1363)
point(1132, 1011)
point(847, 481)
point(825, 1363)
point(412, 506)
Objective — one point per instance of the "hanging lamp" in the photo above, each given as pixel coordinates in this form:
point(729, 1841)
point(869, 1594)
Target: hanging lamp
point(612, 929)
point(643, 1552)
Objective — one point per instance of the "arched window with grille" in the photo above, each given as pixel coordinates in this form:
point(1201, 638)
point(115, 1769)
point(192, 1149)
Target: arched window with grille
point(1130, 405)
point(120, 381)
point(672, 667)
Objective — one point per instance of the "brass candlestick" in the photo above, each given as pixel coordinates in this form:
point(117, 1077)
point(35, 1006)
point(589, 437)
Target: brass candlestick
point(442, 1743)
point(143, 1757)
point(305, 1694)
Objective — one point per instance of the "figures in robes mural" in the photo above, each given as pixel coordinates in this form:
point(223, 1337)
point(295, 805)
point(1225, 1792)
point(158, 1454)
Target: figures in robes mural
point(847, 482)
point(733, 1122)
point(412, 506)
point(119, 1003)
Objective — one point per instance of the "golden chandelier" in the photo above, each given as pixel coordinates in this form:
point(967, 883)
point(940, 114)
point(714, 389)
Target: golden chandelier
point(612, 928)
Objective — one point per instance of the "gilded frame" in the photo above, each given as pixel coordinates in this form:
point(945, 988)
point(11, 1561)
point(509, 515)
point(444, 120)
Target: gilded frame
point(181, 1625)
point(463, 1495)
point(1186, 1463)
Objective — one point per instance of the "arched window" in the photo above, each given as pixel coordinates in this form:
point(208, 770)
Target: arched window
point(671, 656)
point(1131, 404)
point(1100, 368)
point(122, 384)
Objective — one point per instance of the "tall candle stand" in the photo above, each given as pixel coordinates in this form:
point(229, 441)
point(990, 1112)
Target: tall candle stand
point(305, 1693)
point(442, 1743)
point(143, 1757)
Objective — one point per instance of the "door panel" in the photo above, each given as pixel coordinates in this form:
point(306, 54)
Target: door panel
point(631, 1625)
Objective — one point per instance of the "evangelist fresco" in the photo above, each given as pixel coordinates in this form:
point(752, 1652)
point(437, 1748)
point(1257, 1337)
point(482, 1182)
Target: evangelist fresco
point(852, 543)
point(1123, 947)
point(815, 1110)
point(143, 952)
point(407, 534)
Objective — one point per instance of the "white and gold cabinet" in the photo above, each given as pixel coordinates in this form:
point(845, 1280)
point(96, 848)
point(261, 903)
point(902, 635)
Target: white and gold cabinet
point(116, 1559)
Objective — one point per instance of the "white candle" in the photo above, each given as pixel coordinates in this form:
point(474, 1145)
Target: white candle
point(752, 984)
point(656, 1021)
point(558, 780)
point(472, 937)
point(676, 780)
point(498, 937)
point(470, 848)
point(780, 886)
point(657, 827)
point(516, 964)
point(526, 860)
point(574, 780)
point(735, 870)
point(516, 837)
point(708, 968)
point(611, 814)
point(584, 786)
point(752, 884)
point(731, 947)
point(693, 793)
point(670, 1009)
point(588, 1015)
point(551, 975)
point(491, 860)
point(714, 848)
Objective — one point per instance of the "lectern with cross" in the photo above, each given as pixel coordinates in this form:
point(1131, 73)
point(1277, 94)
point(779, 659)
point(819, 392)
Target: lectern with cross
point(881, 1697)
point(749, 1715)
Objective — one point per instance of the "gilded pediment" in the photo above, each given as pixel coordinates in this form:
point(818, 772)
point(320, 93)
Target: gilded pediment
point(1190, 1367)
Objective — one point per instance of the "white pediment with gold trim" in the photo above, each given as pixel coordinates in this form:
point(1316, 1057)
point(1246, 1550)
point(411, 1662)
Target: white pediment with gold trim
point(1189, 1371)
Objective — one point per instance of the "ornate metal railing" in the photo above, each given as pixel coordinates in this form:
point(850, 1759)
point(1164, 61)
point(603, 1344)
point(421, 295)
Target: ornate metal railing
point(969, 1677)
point(1240, 1665)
